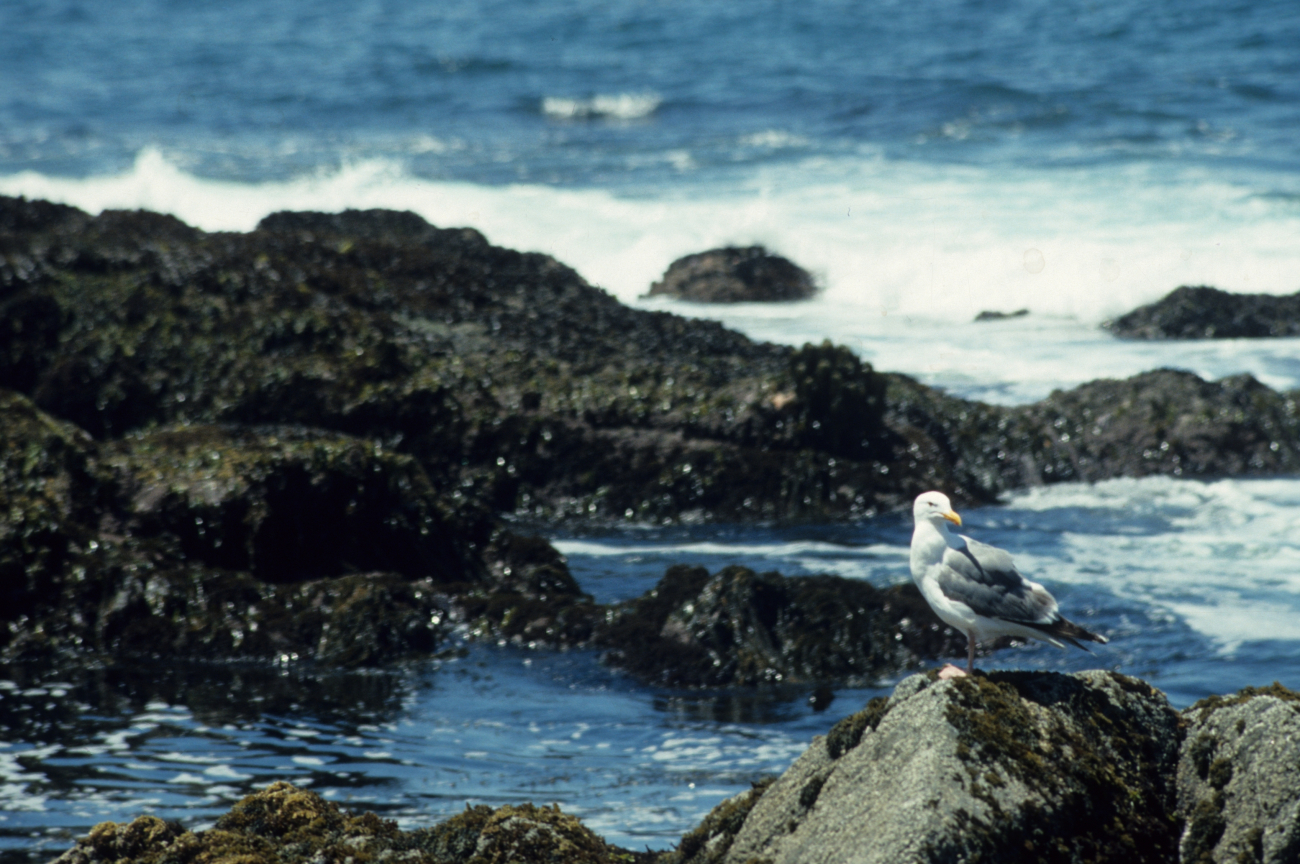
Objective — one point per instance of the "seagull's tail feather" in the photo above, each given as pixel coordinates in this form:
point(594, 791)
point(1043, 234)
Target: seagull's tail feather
point(1063, 628)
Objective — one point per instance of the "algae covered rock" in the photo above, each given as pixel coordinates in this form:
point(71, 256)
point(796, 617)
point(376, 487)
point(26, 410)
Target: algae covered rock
point(529, 597)
point(1239, 778)
point(1202, 312)
point(51, 491)
point(286, 825)
point(1161, 422)
point(738, 627)
point(1005, 766)
point(214, 543)
point(290, 504)
point(735, 275)
point(709, 842)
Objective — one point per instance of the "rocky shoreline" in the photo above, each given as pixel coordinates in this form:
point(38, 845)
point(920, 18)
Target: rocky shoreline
point(318, 441)
point(1020, 766)
point(304, 440)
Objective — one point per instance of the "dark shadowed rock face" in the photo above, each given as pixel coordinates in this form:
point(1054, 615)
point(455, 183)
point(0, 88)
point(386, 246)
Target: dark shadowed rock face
point(511, 380)
point(1239, 778)
point(286, 825)
point(739, 627)
point(1009, 766)
point(735, 275)
point(1203, 312)
point(207, 542)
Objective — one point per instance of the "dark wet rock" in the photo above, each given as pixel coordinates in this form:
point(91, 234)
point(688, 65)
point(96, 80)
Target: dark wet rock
point(1005, 766)
point(738, 627)
point(286, 825)
point(378, 392)
point(994, 315)
point(1239, 778)
point(214, 543)
point(735, 275)
point(289, 504)
point(513, 382)
point(1161, 422)
point(529, 597)
point(1202, 312)
point(51, 493)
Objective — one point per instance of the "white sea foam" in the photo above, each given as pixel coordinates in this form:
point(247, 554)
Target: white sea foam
point(1223, 556)
point(618, 106)
point(907, 253)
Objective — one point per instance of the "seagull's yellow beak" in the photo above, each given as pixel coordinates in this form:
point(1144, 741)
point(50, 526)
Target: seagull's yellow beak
point(952, 517)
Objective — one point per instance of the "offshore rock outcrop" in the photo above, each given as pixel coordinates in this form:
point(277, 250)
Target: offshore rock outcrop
point(1202, 312)
point(750, 274)
point(274, 542)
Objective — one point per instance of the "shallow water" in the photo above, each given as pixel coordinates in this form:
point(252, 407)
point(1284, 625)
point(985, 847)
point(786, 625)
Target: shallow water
point(1196, 584)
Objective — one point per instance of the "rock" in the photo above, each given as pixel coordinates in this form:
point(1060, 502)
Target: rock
point(1239, 778)
point(509, 378)
point(212, 543)
point(1161, 422)
point(994, 315)
point(735, 275)
point(292, 826)
point(1005, 766)
point(709, 842)
point(739, 627)
point(1203, 312)
point(530, 598)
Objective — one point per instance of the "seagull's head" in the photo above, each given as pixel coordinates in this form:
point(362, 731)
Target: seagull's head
point(934, 507)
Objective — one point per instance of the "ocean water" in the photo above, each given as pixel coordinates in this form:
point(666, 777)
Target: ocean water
point(925, 162)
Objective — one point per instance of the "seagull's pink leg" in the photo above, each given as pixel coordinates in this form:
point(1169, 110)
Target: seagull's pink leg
point(970, 652)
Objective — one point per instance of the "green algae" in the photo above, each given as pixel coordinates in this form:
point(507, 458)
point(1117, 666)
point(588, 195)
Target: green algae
point(1210, 704)
point(847, 733)
point(1103, 778)
point(286, 825)
point(709, 842)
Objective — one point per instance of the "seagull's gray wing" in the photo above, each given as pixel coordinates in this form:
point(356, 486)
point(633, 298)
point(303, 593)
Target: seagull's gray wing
point(985, 579)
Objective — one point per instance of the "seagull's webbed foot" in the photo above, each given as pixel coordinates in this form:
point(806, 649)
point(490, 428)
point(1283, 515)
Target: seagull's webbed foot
point(951, 671)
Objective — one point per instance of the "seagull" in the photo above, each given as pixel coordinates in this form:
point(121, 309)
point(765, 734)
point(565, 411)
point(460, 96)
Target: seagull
point(976, 588)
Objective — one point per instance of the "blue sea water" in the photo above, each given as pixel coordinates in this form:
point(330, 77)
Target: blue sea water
point(924, 161)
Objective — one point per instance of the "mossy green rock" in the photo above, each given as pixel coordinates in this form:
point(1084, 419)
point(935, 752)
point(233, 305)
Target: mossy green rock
point(1239, 778)
point(1005, 766)
point(286, 825)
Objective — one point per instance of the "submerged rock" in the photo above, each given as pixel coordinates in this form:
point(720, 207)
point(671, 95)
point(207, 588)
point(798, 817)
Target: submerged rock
point(1203, 312)
point(735, 275)
point(287, 825)
point(738, 627)
point(1005, 766)
point(1239, 778)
